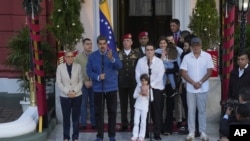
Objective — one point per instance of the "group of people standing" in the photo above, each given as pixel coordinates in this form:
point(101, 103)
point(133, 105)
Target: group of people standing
point(143, 77)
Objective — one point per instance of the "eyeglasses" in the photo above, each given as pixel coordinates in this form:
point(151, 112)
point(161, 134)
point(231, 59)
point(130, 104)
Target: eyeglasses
point(149, 49)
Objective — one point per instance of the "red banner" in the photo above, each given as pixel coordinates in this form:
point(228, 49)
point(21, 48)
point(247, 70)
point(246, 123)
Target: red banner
point(214, 55)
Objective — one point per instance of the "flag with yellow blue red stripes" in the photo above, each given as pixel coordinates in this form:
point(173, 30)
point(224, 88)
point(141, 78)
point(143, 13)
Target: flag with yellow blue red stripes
point(105, 24)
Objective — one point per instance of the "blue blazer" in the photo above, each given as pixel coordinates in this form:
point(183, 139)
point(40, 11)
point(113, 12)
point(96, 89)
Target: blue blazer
point(94, 69)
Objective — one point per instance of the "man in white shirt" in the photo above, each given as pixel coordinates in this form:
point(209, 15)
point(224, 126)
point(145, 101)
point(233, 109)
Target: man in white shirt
point(152, 65)
point(196, 69)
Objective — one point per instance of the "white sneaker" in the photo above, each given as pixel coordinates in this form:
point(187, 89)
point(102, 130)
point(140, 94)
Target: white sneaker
point(133, 139)
point(190, 137)
point(204, 136)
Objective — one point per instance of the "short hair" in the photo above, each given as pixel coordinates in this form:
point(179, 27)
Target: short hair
point(150, 44)
point(144, 76)
point(189, 38)
point(243, 53)
point(101, 37)
point(68, 51)
point(242, 110)
point(245, 94)
point(85, 39)
point(172, 51)
point(169, 34)
point(176, 21)
point(185, 33)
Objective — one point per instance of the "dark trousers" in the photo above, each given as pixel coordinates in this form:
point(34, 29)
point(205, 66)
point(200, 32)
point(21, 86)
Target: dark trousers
point(155, 112)
point(71, 107)
point(126, 94)
point(168, 124)
point(184, 102)
point(111, 99)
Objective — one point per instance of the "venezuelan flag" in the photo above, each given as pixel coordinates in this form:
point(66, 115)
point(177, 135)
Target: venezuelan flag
point(105, 24)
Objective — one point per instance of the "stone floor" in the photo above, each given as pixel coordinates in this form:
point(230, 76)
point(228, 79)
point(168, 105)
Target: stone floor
point(9, 114)
point(57, 135)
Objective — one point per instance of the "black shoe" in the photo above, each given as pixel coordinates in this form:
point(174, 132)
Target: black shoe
point(123, 128)
point(197, 134)
point(147, 136)
point(165, 95)
point(183, 131)
point(83, 127)
point(173, 94)
point(93, 127)
point(179, 124)
point(157, 138)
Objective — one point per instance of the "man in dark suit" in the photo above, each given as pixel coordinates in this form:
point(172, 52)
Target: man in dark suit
point(126, 80)
point(175, 29)
point(244, 98)
point(239, 77)
point(242, 116)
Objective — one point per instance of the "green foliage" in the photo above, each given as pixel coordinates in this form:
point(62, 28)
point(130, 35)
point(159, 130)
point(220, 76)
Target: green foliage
point(237, 40)
point(32, 6)
point(66, 24)
point(19, 57)
point(204, 23)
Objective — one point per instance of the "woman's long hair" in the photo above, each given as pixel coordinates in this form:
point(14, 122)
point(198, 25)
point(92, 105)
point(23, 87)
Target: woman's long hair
point(171, 51)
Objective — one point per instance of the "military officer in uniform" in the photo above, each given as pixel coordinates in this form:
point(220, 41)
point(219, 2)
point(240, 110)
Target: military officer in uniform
point(143, 40)
point(126, 80)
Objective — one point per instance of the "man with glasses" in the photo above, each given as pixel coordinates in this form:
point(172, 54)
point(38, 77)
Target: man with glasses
point(152, 65)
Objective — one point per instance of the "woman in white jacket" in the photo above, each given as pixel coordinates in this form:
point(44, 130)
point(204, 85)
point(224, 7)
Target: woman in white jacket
point(141, 94)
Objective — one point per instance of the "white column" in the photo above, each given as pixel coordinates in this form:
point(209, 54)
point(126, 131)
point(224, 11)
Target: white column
point(182, 10)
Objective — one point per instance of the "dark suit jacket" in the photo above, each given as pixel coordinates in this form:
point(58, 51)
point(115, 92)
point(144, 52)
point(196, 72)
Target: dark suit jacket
point(236, 82)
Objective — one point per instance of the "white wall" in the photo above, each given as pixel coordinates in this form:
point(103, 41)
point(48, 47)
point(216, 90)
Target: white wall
point(182, 10)
point(89, 18)
point(9, 85)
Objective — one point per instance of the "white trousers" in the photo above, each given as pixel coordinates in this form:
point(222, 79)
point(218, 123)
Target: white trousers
point(139, 114)
point(198, 100)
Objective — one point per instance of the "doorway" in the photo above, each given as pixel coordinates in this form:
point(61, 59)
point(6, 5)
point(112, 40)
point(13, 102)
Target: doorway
point(136, 16)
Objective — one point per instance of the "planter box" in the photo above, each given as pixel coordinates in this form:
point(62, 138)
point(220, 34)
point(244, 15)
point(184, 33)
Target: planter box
point(25, 105)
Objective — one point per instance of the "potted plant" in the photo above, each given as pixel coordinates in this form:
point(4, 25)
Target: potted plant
point(19, 57)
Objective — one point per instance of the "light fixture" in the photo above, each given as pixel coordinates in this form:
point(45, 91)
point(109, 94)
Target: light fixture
point(243, 9)
point(243, 5)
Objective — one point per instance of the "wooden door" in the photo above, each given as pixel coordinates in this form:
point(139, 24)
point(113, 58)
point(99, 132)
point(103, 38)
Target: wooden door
point(136, 16)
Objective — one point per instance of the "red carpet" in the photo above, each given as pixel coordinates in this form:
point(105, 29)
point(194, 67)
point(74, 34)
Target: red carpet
point(118, 126)
point(89, 129)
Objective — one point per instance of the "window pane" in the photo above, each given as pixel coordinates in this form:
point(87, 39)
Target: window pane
point(140, 8)
point(163, 7)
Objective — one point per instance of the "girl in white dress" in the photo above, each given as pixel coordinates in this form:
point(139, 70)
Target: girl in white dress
point(141, 94)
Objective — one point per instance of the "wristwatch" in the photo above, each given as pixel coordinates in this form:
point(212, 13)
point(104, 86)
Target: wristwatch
point(200, 82)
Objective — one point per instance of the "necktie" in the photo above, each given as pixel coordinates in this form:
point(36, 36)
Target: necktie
point(175, 37)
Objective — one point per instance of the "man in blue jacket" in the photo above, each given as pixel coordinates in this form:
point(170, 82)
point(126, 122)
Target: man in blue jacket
point(102, 68)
